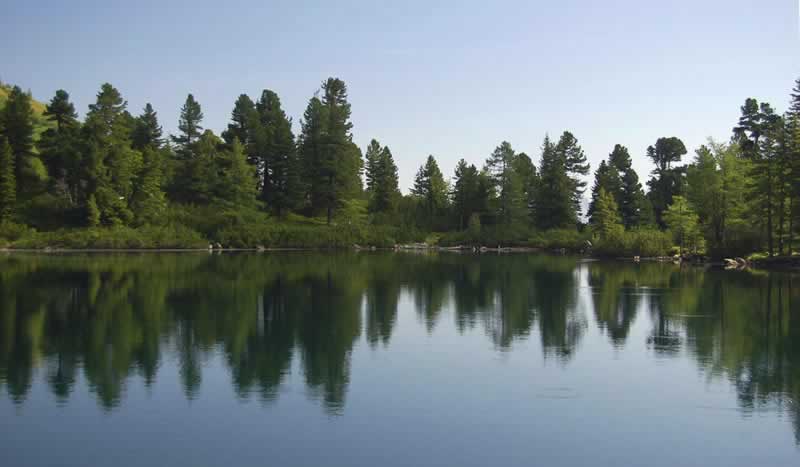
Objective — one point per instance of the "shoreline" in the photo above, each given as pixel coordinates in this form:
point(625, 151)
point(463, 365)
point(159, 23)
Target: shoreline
point(777, 263)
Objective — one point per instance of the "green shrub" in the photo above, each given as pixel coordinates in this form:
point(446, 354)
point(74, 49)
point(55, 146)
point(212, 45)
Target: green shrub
point(569, 239)
point(643, 242)
point(287, 235)
point(10, 231)
point(148, 237)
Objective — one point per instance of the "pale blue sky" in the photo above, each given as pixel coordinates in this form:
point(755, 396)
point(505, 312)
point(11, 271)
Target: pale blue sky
point(451, 79)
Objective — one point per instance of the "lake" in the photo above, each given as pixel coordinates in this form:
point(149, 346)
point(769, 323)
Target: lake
point(394, 359)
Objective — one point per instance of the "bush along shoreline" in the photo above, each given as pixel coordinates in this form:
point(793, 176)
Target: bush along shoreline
point(639, 245)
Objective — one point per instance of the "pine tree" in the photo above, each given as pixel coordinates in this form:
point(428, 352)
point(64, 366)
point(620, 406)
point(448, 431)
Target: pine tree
point(606, 180)
point(310, 148)
point(244, 120)
point(147, 132)
point(758, 135)
point(606, 220)
point(667, 180)
point(794, 106)
point(197, 180)
point(189, 127)
point(465, 188)
point(332, 162)
point(148, 201)
point(683, 222)
point(554, 201)
point(793, 128)
point(372, 158)
point(8, 184)
point(576, 166)
point(501, 166)
point(633, 205)
point(529, 180)
point(60, 148)
point(16, 125)
point(113, 164)
point(236, 184)
point(61, 111)
point(794, 204)
point(387, 193)
point(431, 189)
point(276, 152)
point(704, 192)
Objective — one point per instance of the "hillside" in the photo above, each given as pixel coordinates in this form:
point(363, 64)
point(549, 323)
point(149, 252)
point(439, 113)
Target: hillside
point(40, 123)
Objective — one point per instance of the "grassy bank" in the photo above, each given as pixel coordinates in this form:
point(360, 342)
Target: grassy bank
point(192, 227)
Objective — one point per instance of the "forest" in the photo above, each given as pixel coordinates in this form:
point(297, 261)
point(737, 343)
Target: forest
point(116, 180)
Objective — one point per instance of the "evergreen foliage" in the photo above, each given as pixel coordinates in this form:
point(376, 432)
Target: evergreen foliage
point(259, 182)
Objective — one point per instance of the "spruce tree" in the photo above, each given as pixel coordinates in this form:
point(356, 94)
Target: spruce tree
point(576, 167)
point(148, 201)
point(501, 164)
point(8, 185)
point(525, 170)
point(554, 203)
point(385, 193)
point(198, 180)
point(113, 164)
point(16, 125)
point(684, 223)
point(61, 111)
point(147, 132)
point(606, 220)
point(60, 148)
point(633, 205)
point(372, 158)
point(606, 180)
point(667, 180)
point(793, 129)
point(465, 187)
point(244, 120)
point(758, 134)
point(310, 148)
point(277, 152)
point(236, 185)
point(331, 161)
point(431, 189)
point(188, 126)
point(794, 106)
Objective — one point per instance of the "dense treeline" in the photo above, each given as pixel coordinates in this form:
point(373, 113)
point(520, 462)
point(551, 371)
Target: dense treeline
point(103, 323)
point(115, 179)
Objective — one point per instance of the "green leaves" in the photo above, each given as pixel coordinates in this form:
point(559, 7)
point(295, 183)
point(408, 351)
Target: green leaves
point(331, 161)
point(667, 181)
point(147, 132)
point(16, 125)
point(606, 220)
point(683, 222)
point(431, 189)
point(189, 126)
point(382, 181)
point(8, 183)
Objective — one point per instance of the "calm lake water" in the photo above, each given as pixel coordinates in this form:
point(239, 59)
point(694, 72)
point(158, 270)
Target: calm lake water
point(394, 359)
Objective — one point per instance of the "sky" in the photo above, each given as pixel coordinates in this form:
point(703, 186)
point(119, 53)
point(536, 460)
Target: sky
point(452, 79)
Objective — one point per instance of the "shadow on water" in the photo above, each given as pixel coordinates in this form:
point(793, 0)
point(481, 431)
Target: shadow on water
point(110, 318)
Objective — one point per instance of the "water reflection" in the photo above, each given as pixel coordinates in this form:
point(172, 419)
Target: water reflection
point(108, 319)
